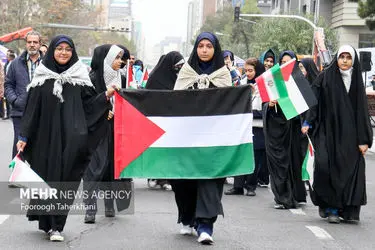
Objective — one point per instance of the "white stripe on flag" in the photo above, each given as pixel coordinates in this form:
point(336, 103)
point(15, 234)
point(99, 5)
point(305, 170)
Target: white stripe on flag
point(204, 131)
point(269, 82)
point(296, 96)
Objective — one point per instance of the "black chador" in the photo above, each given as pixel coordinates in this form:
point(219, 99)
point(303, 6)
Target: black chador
point(340, 124)
point(61, 105)
point(100, 171)
point(284, 154)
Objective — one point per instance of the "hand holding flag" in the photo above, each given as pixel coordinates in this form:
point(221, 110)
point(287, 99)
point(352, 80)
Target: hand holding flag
point(289, 87)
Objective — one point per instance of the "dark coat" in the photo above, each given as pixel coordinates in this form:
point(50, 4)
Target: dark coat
point(15, 85)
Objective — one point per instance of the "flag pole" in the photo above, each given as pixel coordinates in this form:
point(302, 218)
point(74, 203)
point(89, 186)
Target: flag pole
point(127, 73)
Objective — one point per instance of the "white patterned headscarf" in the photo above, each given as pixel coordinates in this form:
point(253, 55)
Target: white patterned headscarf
point(111, 76)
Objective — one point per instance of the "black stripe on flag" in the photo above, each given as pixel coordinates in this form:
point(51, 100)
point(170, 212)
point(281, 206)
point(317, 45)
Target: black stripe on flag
point(192, 102)
point(304, 86)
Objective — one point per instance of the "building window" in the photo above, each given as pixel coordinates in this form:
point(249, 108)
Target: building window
point(366, 40)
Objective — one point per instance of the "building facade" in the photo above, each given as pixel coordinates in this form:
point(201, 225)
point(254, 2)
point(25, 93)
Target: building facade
point(339, 14)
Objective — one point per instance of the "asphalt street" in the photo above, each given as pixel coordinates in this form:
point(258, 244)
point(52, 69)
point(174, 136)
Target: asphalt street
point(249, 222)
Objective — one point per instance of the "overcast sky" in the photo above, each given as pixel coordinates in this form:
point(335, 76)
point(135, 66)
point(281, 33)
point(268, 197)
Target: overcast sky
point(161, 18)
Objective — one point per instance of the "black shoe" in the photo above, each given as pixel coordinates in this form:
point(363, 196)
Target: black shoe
point(109, 212)
point(90, 218)
point(250, 193)
point(234, 191)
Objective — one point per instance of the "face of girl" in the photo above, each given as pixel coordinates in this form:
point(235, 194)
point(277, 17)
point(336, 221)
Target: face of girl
point(227, 61)
point(302, 68)
point(205, 50)
point(268, 63)
point(116, 64)
point(285, 59)
point(63, 53)
point(249, 71)
point(345, 61)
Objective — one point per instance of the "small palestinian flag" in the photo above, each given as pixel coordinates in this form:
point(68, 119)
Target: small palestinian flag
point(294, 94)
point(308, 165)
point(183, 134)
point(130, 82)
point(22, 173)
point(144, 79)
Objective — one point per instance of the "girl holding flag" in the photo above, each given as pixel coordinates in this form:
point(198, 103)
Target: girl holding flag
point(61, 107)
point(199, 201)
point(284, 153)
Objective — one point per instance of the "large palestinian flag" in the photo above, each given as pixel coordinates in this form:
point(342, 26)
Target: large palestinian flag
point(289, 87)
point(183, 134)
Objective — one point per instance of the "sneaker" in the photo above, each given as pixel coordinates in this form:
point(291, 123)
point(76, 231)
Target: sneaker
point(152, 183)
point(205, 239)
point(278, 206)
point(333, 218)
point(56, 236)
point(167, 187)
point(186, 230)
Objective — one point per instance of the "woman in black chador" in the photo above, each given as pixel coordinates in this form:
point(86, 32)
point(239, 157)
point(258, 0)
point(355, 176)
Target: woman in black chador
point(341, 134)
point(199, 201)
point(284, 153)
point(164, 76)
point(105, 66)
point(61, 106)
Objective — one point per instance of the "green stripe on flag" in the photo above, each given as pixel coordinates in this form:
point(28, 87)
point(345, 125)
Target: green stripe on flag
point(305, 173)
point(284, 101)
point(192, 163)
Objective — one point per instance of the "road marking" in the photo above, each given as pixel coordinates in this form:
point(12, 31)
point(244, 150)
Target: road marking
point(3, 217)
point(298, 211)
point(320, 233)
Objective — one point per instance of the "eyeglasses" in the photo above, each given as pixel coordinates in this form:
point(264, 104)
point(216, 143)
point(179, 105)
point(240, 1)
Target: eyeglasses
point(60, 49)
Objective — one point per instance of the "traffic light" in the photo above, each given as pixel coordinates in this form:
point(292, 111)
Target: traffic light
point(237, 11)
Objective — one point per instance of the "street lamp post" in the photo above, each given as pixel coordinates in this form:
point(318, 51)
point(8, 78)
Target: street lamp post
point(318, 38)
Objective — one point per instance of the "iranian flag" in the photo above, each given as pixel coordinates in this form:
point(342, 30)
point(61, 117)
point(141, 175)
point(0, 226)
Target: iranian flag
point(292, 91)
point(183, 134)
point(144, 78)
point(308, 164)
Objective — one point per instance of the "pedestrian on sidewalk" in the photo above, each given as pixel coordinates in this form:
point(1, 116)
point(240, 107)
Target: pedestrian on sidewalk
point(199, 201)
point(341, 135)
point(62, 104)
point(19, 74)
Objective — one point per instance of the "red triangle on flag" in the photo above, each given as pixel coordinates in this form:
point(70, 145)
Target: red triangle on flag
point(133, 134)
point(145, 76)
point(287, 69)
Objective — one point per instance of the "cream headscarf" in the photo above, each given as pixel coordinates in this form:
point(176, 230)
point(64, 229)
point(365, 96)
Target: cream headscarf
point(347, 74)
